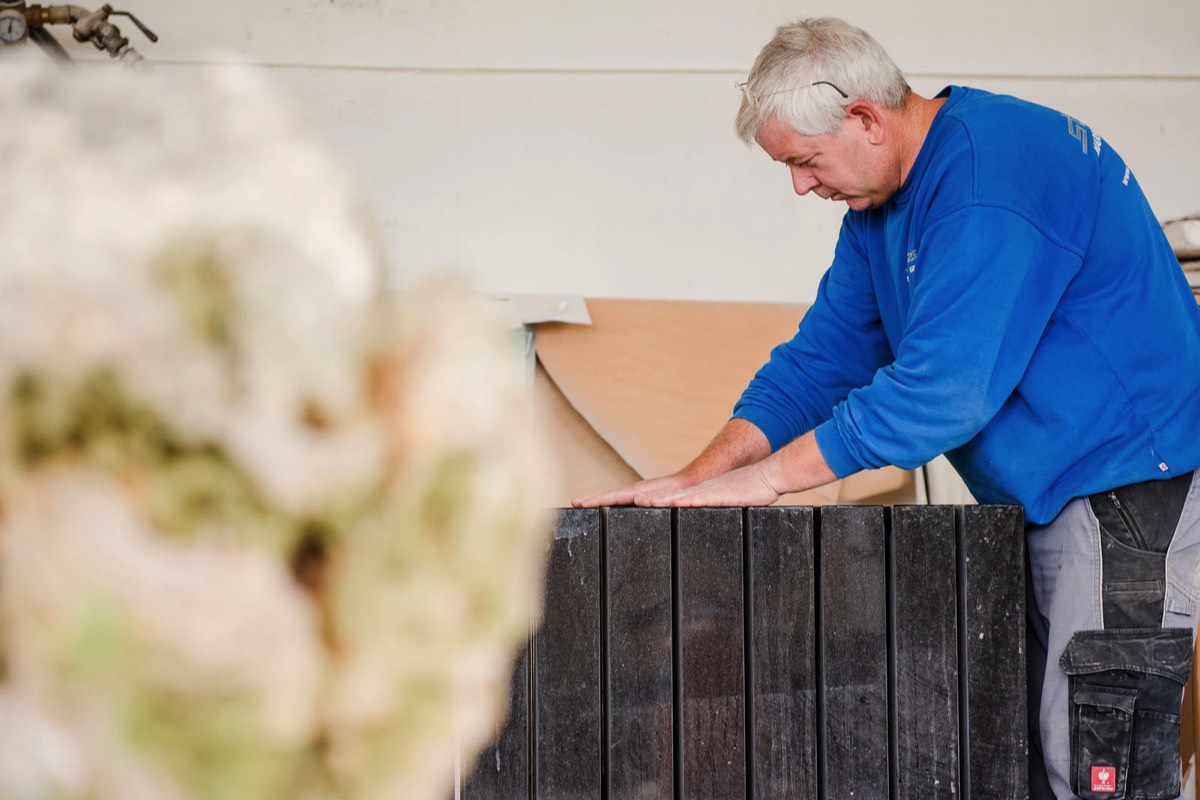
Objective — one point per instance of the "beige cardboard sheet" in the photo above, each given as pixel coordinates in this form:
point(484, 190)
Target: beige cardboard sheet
point(642, 390)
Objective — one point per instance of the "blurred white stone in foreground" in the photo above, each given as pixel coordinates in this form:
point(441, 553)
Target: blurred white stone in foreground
point(264, 533)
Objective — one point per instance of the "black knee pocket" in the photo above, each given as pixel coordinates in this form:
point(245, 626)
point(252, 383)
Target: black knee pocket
point(1126, 688)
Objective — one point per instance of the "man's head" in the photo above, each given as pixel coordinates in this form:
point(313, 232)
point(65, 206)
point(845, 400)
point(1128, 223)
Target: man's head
point(807, 75)
point(825, 99)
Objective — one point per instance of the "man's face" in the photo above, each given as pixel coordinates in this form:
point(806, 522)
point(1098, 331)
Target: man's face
point(844, 165)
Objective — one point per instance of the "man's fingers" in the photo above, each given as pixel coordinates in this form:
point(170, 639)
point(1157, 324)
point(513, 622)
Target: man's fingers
point(617, 497)
point(640, 493)
point(738, 488)
point(671, 499)
point(653, 499)
point(624, 496)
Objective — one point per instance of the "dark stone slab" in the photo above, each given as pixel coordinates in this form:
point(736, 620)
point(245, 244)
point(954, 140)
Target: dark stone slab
point(924, 632)
point(852, 584)
point(772, 653)
point(782, 664)
point(640, 681)
point(992, 620)
point(567, 670)
point(501, 772)
point(712, 684)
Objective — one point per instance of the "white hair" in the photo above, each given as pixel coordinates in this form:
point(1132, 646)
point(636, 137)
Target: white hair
point(801, 75)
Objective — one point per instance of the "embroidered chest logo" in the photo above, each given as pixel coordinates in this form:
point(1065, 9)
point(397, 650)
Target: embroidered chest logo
point(910, 265)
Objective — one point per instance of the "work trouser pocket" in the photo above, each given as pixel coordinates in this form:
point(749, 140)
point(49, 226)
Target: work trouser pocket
point(1137, 525)
point(1126, 688)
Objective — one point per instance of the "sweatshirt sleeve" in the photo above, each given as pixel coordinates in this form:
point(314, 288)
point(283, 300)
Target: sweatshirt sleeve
point(839, 345)
point(983, 288)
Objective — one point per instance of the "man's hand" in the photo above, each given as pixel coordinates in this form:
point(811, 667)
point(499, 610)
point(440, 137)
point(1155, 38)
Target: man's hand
point(737, 444)
point(747, 486)
point(640, 493)
point(793, 468)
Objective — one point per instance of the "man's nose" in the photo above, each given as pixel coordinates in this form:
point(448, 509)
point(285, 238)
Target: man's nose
point(802, 180)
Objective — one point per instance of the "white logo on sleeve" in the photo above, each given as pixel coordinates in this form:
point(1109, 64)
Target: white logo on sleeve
point(1078, 131)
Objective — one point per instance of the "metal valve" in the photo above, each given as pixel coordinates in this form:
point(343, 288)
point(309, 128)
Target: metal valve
point(19, 21)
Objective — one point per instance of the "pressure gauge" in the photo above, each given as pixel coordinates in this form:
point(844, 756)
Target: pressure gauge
point(13, 27)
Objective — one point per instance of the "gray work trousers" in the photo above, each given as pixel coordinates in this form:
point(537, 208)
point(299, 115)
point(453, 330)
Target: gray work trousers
point(1114, 586)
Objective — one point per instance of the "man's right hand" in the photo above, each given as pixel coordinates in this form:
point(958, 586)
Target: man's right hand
point(737, 444)
point(641, 493)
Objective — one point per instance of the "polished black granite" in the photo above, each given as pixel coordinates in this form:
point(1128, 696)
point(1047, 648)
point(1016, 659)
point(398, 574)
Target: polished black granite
point(567, 667)
point(924, 623)
point(712, 692)
point(641, 735)
point(501, 771)
point(852, 620)
point(992, 608)
point(782, 667)
point(724, 654)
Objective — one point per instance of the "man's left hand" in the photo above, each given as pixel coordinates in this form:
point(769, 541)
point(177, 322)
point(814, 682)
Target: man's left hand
point(746, 486)
point(793, 468)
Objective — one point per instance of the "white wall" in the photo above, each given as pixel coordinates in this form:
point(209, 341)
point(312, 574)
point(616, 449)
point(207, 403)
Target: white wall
point(586, 147)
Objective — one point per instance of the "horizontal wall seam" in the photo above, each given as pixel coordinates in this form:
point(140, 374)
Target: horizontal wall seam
point(640, 71)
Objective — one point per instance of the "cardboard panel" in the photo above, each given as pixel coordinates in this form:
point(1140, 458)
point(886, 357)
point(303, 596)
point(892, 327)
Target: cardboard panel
point(657, 397)
point(582, 463)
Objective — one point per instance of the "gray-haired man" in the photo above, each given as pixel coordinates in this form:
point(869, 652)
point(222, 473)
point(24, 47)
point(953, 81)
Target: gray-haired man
point(987, 300)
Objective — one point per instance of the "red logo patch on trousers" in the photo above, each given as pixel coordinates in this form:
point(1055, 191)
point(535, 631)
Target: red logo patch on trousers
point(1104, 779)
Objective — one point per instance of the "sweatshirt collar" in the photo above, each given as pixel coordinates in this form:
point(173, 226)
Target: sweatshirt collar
point(952, 94)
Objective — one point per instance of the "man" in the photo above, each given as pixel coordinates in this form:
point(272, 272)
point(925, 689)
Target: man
point(1000, 292)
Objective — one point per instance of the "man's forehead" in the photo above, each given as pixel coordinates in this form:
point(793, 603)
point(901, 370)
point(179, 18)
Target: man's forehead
point(782, 143)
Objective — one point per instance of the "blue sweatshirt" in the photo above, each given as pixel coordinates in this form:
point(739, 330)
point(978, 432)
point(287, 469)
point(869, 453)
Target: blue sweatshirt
point(1015, 305)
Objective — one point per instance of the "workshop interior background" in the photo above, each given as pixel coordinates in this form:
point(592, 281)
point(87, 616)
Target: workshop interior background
point(587, 148)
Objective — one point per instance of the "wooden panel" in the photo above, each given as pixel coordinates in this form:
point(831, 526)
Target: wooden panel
point(853, 625)
point(924, 634)
point(640, 681)
point(783, 710)
point(712, 690)
point(992, 619)
point(567, 664)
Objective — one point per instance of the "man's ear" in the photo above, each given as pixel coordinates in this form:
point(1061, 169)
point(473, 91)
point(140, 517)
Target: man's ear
point(867, 117)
